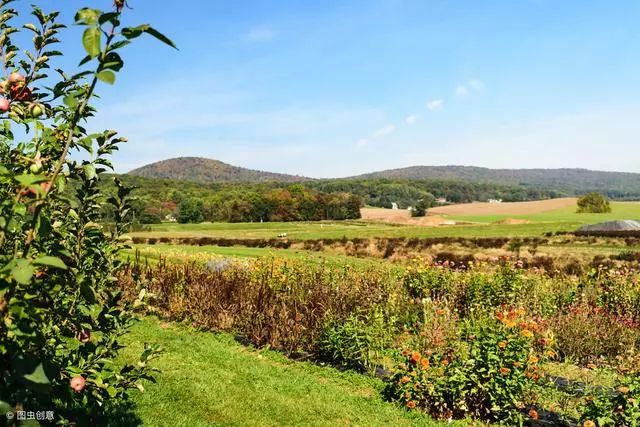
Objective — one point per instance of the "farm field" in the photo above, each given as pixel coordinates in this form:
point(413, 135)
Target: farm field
point(189, 253)
point(487, 224)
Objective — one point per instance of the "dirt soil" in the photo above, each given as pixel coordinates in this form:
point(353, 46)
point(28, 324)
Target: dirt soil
point(506, 208)
point(401, 216)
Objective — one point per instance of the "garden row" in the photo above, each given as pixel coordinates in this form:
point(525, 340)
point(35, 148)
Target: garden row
point(455, 343)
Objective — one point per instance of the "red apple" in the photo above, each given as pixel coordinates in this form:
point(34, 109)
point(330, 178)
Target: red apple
point(16, 77)
point(20, 92)
point(4, 105)
point(45, 186)
point(77, 384)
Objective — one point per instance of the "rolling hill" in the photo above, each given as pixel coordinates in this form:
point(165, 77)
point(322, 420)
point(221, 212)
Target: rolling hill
point(203, 170)
point(567, 181)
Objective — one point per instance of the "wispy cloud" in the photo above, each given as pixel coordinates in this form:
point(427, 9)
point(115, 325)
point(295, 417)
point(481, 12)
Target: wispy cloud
point(384, 131)
point(435, 104)
point(469, 87)
point(260, 34)
point(411, 119)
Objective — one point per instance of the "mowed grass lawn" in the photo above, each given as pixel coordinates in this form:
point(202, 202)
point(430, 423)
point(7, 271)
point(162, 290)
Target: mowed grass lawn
point(565, 219)
point(208, 379)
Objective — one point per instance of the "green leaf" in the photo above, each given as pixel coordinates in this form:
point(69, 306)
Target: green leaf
point(109, 17)
point(4, 408)
point(22, 271)
point(157, 34)
point(107, 76)
point(51, 261)
point(113, 62)
point(133, 32)
point(70, 101)
point(91, 41)
point(87, 16)
point(89, 171)
point(88, 292)
point(38, 376)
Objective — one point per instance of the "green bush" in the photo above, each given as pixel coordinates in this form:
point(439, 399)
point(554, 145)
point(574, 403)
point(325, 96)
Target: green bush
point(358, 342)
point(61, 310)
point(593, 203)
point(619, 408)
point(190, 211)
point(484, 375)
point(420, 209)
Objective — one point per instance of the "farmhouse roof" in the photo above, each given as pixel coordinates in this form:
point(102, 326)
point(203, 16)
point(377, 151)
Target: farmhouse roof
point(619, 226)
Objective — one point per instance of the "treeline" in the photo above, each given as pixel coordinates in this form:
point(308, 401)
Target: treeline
point(292, 203)
point(384, 192)
point(187, 201)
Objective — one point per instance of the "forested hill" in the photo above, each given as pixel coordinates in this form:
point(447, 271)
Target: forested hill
point(203, 170)
point(616, 184)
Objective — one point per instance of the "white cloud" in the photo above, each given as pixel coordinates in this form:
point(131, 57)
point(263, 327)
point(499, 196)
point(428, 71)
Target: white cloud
point(260, 34)
point(435, 104)
point(384, 131)
point(362, 142)
point(411, 119)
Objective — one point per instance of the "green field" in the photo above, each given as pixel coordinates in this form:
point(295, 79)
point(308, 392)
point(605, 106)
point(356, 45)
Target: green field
point(183, 253)
point(209, 379)
point(565, 219)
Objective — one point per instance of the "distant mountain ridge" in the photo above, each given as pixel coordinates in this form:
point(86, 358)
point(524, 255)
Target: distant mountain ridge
point(571, 179)
point(568, 180)
point(203, 170)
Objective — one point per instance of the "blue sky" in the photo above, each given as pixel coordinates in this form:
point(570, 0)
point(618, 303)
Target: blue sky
point(336, 88)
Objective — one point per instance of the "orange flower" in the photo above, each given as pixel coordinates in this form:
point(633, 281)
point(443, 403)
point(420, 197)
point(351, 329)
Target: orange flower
point(405, 379)
point(415, 357)
point(411, 404)
point(440, 312)
point(509, 323)
point(445, 362)
point(533, 414)
point(533, 359)
point(591, 366)
point(502, 344)
point(623, 389)
point(505, 371)
point(526, 333)
point(517, 364)
point(425, 363)
point(588, 423)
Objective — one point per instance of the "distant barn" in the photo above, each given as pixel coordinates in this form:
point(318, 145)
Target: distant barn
point(620, 228)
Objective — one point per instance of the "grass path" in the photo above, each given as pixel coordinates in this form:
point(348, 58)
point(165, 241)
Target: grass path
point(208, 379)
